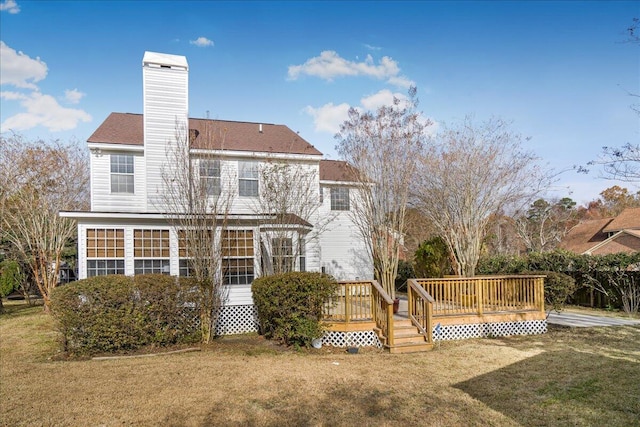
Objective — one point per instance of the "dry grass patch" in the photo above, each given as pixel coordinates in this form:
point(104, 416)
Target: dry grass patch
point(567, 377)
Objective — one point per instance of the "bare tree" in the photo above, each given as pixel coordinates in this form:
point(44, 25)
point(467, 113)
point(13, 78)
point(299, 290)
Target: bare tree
point(197, 200)
point(289, 203)
point(544, 224)
point(383, 148)
point(470, 173)
point(37, 180)
point(622, 163)
point(619, 163)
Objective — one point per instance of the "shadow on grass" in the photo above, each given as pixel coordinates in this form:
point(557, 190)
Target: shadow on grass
point(20, 308)
point(564, 387)
point(345, 404)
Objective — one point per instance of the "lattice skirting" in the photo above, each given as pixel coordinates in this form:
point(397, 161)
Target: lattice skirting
point(237, 319)
point(496, 329)
point(351, 339)
point(233, 319)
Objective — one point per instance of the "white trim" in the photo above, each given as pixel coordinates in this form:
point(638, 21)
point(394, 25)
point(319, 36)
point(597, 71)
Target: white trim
point(258, 155)
point(114, 147)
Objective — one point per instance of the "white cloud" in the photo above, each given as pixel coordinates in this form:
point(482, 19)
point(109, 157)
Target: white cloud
point(330, 65)
point(73, 96)
point(401, 81)
point(377, 100)
point(329, 117)
point(42, 110)
point(201, 42)
point(20, 70)
point(370, 47)
point(10, 6)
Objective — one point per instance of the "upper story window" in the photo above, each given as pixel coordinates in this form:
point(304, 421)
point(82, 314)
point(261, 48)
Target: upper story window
point(210, 176)
point(340, 198)
point(248, 174)
point(122, 173)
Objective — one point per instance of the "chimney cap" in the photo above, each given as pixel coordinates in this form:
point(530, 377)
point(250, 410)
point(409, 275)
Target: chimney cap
point(166, 59)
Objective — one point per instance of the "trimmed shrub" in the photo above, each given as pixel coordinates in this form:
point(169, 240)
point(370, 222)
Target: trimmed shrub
point(120, 313)
point(290, 305)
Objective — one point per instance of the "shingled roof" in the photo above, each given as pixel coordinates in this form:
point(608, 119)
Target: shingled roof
point(585, 235)
point(628, 219)
point(126, 128)
point(337, 170)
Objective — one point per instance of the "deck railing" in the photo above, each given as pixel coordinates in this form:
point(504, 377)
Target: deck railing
point(420, 309)
point(361, 301)
point(484, 294)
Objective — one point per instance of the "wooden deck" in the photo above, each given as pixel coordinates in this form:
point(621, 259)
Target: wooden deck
point(364, 305)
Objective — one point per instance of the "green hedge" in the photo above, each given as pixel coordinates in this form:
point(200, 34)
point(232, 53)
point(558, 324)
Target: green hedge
point(290, 305)
point(614, 276)
point(558, 287)
point(120, 313)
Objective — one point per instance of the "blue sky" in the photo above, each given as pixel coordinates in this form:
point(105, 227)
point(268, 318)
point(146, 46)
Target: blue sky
point(560, 71)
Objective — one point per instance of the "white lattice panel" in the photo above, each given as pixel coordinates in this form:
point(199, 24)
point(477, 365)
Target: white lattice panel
point(497, 329)
point(237, 319)
point(351, 339)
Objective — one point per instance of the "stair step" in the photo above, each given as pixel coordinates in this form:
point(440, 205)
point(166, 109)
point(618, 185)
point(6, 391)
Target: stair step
point(402, 323)
point(410, 348)
point(415, 339)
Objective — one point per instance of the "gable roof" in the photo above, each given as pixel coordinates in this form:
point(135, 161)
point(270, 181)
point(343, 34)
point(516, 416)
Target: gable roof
point(628, 219)
point(627, 241)
point(585, 235)
point(127, 128)
point(337, 170)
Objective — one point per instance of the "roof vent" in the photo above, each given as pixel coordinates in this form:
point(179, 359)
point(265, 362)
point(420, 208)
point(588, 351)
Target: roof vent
point(260, 128)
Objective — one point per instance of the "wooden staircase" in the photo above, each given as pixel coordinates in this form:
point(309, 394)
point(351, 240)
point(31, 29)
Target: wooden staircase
point(406, 338)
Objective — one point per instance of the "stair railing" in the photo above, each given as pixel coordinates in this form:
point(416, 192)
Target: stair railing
point(420, 309)
point(382, 311)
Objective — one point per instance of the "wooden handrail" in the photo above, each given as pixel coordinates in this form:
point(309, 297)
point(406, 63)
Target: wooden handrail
point(420, 306)
point(382, 301)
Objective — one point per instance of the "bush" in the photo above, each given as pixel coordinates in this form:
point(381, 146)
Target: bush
point(433, 259)
point(290, 305)
point(10, 277)
point(405, 272)
point(119, 313)
point(558, 287)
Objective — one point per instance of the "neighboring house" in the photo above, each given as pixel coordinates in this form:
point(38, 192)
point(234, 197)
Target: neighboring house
point(128, 231)
point(606, 236)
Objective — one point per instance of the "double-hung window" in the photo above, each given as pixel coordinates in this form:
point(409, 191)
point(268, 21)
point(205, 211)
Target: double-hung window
point(210, 176)
point(340, 198)
point(105, 251)
point(151, 251)
point(122, 173)
point(248, 173)
point(237, 257)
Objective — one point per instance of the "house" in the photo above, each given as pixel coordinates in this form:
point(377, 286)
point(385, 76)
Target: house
point(605, 236)
point(131, 227)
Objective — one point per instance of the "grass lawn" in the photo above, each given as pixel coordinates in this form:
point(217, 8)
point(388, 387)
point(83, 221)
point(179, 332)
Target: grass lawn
point(571, 377)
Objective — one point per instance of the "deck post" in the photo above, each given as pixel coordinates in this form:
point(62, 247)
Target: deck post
point(347, 303)
point(480, 295)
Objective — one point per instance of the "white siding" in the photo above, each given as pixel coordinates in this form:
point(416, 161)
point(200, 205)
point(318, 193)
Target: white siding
point(166, 101)
point(343, 251)
point(102, 200)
